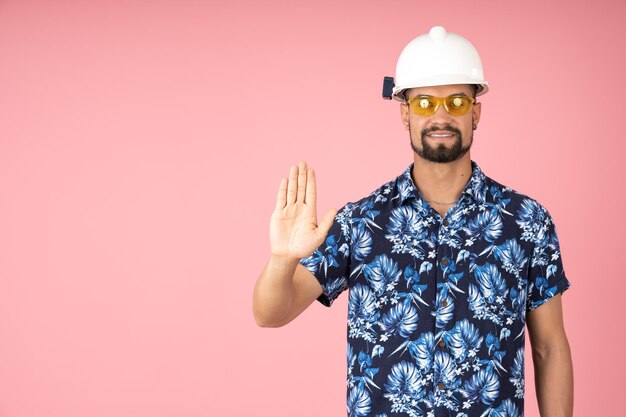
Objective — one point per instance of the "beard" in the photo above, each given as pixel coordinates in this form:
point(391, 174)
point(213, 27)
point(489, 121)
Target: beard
point(441, 153)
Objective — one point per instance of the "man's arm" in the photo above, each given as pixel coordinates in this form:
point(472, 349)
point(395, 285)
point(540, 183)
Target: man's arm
point(554, 379)
point(285, 288)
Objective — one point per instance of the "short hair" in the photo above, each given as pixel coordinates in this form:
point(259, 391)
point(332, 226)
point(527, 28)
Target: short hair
point(474, 88)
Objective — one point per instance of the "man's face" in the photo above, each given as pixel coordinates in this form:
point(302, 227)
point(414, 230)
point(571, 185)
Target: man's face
point(441, 137)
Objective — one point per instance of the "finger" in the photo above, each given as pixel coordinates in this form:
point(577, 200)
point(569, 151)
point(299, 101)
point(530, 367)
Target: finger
point(301, 182)
point(281, 199)
point(292, 185)
point(311, 188)
point(327, 221)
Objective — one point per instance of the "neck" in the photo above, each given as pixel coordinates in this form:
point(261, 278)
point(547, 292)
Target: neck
point(441, 182)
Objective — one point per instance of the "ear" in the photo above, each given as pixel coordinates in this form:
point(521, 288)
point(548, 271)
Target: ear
point(404, 114)
point(476, 113)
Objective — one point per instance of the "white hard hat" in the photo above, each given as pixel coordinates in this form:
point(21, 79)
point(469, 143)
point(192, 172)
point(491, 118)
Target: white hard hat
point(438, 58)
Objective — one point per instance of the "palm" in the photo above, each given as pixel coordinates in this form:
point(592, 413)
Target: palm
point(294, 231)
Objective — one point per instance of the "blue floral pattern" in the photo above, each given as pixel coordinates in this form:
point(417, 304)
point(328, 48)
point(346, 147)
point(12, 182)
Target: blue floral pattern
point(437, 305)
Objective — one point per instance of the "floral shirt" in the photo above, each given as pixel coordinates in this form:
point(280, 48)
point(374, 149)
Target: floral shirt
point(437, 305)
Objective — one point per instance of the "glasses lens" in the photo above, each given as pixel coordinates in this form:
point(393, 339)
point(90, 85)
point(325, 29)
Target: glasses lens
point(458, 105)
point(423, 105)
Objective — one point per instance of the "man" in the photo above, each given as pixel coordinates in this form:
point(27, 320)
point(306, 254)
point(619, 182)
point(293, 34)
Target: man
point(445, 267)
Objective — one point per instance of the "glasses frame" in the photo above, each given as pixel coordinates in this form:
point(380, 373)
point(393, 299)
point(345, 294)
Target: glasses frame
point(438, 102)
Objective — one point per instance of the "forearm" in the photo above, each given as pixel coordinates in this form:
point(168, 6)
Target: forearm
point(274, 291)
point(554, 380)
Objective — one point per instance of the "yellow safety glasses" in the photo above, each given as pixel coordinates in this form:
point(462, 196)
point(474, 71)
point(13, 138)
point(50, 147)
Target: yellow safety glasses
point(456, 105)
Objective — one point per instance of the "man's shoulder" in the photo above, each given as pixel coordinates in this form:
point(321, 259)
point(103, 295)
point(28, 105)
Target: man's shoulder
point(503, 195)
point(384, 195)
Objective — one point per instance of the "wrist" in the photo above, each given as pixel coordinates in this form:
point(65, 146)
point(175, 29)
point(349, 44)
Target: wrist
point(284, 260)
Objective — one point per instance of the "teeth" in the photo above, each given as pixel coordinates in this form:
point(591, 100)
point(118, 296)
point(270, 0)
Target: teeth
point(445, 135)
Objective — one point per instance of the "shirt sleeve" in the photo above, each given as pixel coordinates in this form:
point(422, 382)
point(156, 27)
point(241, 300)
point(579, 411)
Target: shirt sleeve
point(546, 276)
point(330, 262)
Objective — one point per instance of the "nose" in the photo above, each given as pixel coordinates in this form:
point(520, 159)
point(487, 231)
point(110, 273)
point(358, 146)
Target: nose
point(441, 115)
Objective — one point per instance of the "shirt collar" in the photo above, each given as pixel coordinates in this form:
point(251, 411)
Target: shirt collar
point(476, 187)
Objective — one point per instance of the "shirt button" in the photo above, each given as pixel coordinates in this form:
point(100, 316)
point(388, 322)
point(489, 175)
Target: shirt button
point(441, 385)
point(442, 344)
point(446, 222)
point(444, 261)
point(444, 303)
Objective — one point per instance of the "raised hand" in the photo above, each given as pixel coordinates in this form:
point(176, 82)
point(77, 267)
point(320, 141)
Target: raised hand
point(294, 231)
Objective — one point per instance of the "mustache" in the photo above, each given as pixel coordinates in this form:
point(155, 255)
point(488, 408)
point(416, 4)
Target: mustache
point(446, 127)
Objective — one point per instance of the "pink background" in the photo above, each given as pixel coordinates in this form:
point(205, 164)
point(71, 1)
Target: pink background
point(141, 146)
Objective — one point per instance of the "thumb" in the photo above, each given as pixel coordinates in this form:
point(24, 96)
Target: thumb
point(327, 221)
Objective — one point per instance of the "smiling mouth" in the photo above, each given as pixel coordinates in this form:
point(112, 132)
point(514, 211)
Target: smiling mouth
point(441, 135)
